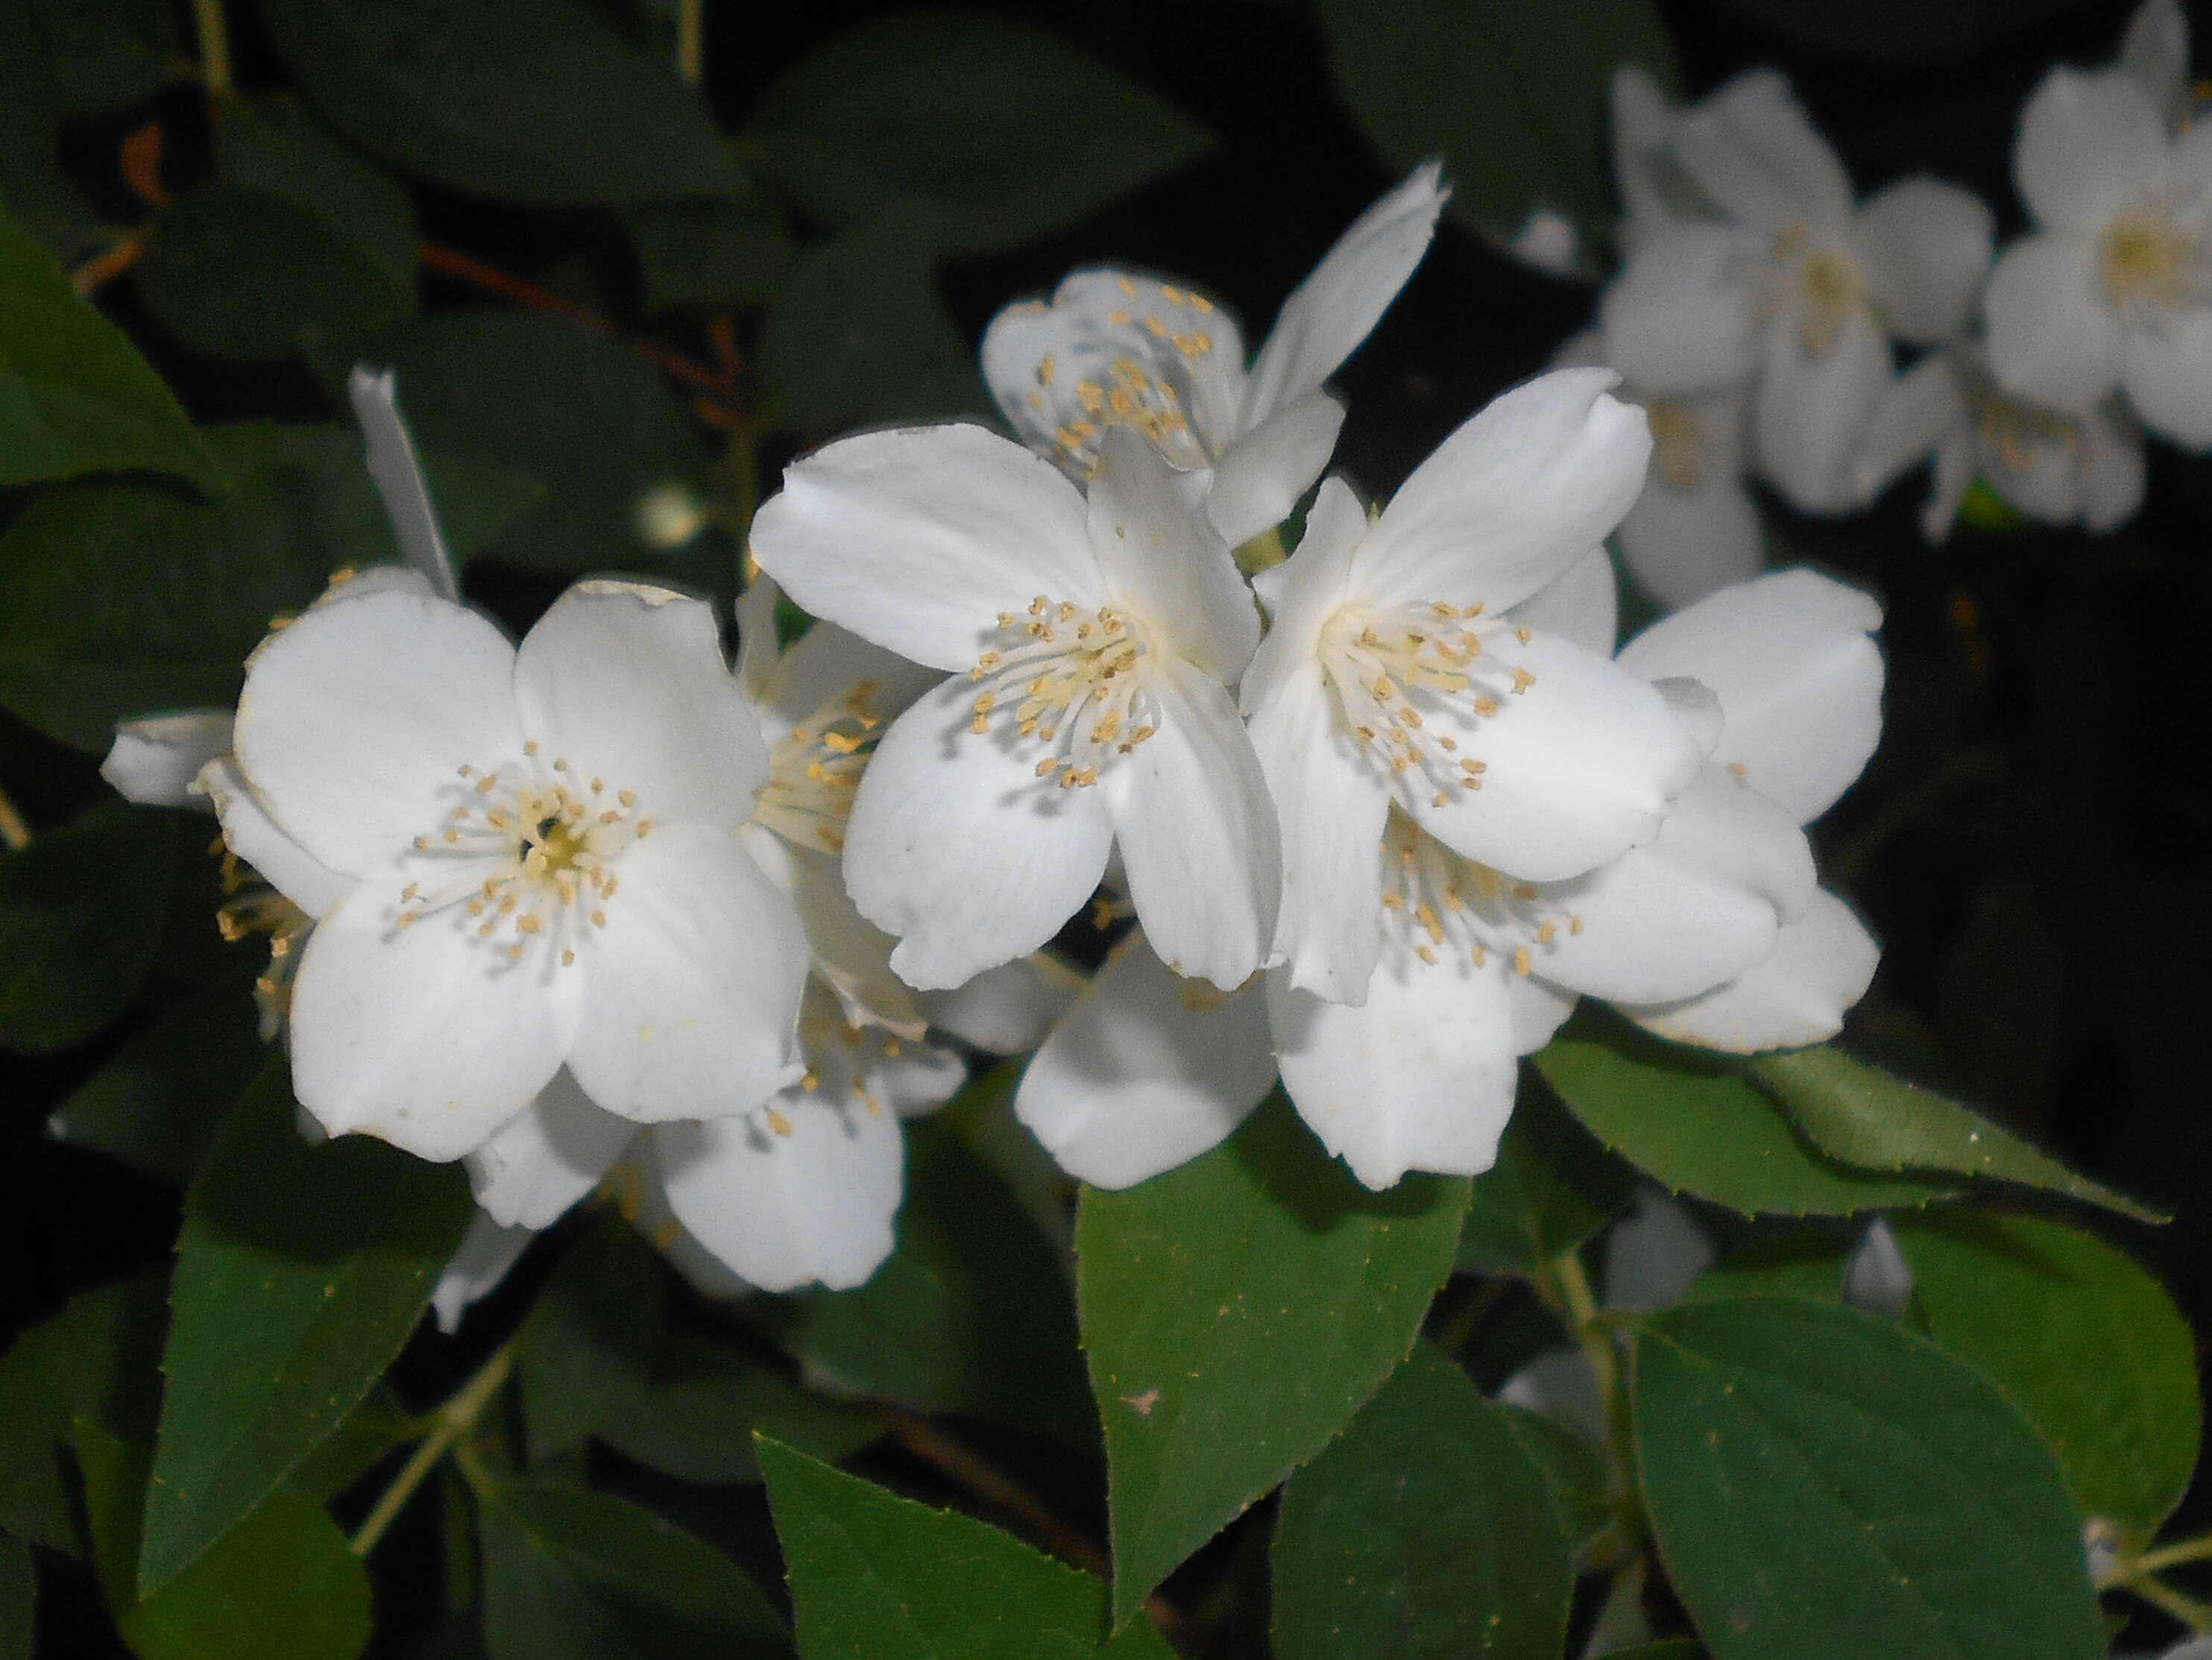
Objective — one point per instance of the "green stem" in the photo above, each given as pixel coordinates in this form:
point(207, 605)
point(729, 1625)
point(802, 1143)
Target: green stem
point(2198, 1549)
point(452, 1421)
point(214, 46)
point(691, 40)
point(1263, 552)
point(14, 829)
point(1566, 1285)
point(2196, 1616)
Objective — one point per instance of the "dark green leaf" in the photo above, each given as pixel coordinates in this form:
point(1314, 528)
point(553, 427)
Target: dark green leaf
point(1859, 1114)
point(1571, 1467)
point(591, 1339)
point(273, 146)
point(245, 274)
point(1670, 1648)
point(572, 1575)
point(971, 1313)
point(300, 1273)
point(19, 1599)
point(860, 334)
point(1798, 1264)
point(708, 253)
point(105, 54)
point(376, 1427)
point(1512, 93)
point(42, 199)
point(283, 1585)
point(1236, 1313)
point(877, 1575)
point(2080, 1340)
point(1424, 1530)
point(696, 1418)
point(1826, 1486)
point(1698, 1126)
point(1553, 1188)
point(997, 132)
point(527, 100)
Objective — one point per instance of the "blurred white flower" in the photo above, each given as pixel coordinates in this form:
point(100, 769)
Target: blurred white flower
point(1117, 349)
point(1547, 241)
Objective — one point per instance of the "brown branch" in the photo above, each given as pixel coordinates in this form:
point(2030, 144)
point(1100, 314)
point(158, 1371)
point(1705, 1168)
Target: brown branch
point(104, 268)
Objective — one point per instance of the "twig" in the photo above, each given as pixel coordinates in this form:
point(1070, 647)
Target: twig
point(2173, 1555)
point(455, 1419)
point(2196, 1616)
point(14, 830)
point(104, 268)
point(214, 46)
point(691, 40)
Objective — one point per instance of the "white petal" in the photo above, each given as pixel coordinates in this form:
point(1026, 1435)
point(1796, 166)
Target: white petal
point(1583, 605)
point(1799, 681)
point(1954, 470)
point(1260, 478)
point(1560, 1384)
point(548, 1157)
point(2089, 141)
point(959, 851)
point(2168, 376)
point(1163, 561)
point(783, 1210)
point(1303, 591)
point(1548, 241)
point(2051, 335)
point(1328, 314)
point(1653, 1254)
point(1578, 769)
point(1921, 408)
point(917, 538)
point(1146, 1071)
point(1820, 966)
point(1877, 1278)
point(486, 1252)
point(2155, 54)
point(1197, 834)
point(1752, 149)
point(2112, 471)
point(852, 956)
point(1809, 409)
point(691, 986)
point(1928, 247)
point(1643, 122)
point(1680, 545)
point(1696, 906)
point(355, 720)
point(827, 664)
point(1697, 706)
point(626, 683)
point(1539, 1011)
point(1008, 1009)
point(250, 833)
point(1420, 1077)
point(1513, 498)
point(400, 480)
point(153, 762)
point(1679, 319)
point(916, 1080)
point(428, 1036)
point(758, 648)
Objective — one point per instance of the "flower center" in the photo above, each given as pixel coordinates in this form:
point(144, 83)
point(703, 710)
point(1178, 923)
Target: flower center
point(1130, 395)
point(1682, 447)
point(252, 906)
point(1439, 907)
point(1068, 680)
point(1385, 664)
point(528, 848)
point(815, 768)
point(2146, 262)
point(1817, 288)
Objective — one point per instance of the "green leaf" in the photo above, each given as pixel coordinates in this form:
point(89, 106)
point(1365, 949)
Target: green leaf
point(696, 1417)
point(591, 1338)
point(273, 146)
point(1573, 1469)
point(105, 54)
point(998, 133)
point(1669, 1648)
point(257, 277)
point(1424, 1531)
point(1512, 93)
point(708, 253)
point(1798, 1264)
point(75, 395)
point(970, 1314)
point(19, 1599)
point(1553, 1188)
point(373, 1429)
point(860, 334)
point(538, 101)
point(300, 1273)
point(1825, 1485)
point(281, 1586)
point(2084, 1342)
point(574, 1575)
point(81, 913)
point(1860, 1115)
point(877, 1575)
point(1695, 1125)
point(1237, 1313)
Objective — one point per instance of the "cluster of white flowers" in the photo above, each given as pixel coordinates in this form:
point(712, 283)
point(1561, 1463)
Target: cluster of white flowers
point(599, 908)
point(1760, 308)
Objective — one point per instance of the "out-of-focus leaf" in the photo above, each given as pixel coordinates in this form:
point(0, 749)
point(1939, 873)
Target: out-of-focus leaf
point(2080, 1339)
point(274, 147)
point(708, 253)
point(996, 133)
point(1425, 1530)
point(1553, 1188)
point(19, 1599)
point(1796, 1265)
point(574, 1575)
point(1826, 1486)
point(374, 1428)
point(877, 1575)
point(1861, 1114)
point(300, 1273)
point(104, 54)
point(696, 1418)
point(1236, 1313)
point(1573, 1469)
point(1512, 93)
point(971, 1313)
point(591, 1338)
point(527, 101)
point(1696, 1126)
point(75, 395)
point(860, 334)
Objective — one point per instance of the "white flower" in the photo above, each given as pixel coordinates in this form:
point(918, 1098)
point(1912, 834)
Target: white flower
point(2114, 287)
point(1785, 281)
point(516, 859)
point(1091, 645)
point(2055, 466)
point(154, 761)
point(1115, 348)
point(1393, 676)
